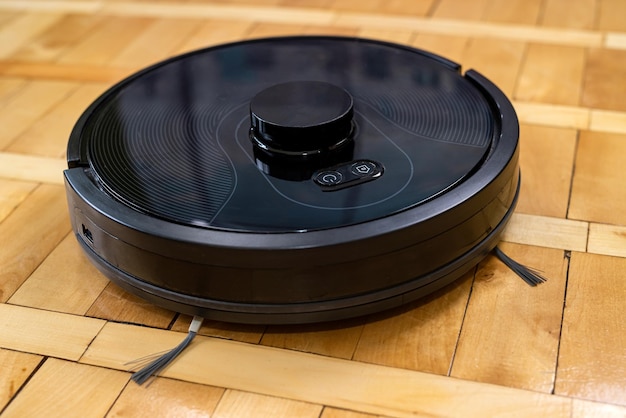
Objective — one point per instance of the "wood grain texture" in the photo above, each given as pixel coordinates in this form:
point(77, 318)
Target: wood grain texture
point(65, 282)
point(16, 368)
point(518, 345)
point(592, 360)
point(241, 404)
point(546, 163)
point(422, 336)
point(67, 389)
point(47, 333)
point(549, 232)
point(598, 184)
point(579, 14)
point(602, 83)
point(317, 379)
point(32, 168)
point(28, 235)
point(607, 239)
point(13, 193)
point(166, 398)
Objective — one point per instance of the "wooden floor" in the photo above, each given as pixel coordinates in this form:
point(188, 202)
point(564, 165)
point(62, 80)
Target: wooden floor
point(489, 345)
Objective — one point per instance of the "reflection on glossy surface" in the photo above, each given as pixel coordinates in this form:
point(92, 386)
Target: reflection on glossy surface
point(175, 142)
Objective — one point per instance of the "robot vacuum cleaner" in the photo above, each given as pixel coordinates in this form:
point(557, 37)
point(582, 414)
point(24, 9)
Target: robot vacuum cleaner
point(293, 180)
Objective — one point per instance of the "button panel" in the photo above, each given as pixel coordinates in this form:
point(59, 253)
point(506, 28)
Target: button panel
point(347, 174)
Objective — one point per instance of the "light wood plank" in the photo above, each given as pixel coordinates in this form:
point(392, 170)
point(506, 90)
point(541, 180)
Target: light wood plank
point(65, 6)
point(29, 234)
point(548, 232)
point(318, 379)
point(245, 333)
point(16, 367)
point(591, 357)
point(63, 72)
point(13, 193)
point(49, 135)
point(53, 42)
point(586, 409)
point(421, 336)
point(166, 398)
point(65, 389)
point(9, 86)
point(22, 29)
point(46, 333)
point(215, 32)
point(28, 105)
point(336, 339)
point(157, 42)
point(615, 40)
point(499, 61)
point(458, 27)
point(106, 41)
point(32, 168)
point(459, 9)
point(607, 239)
point(117, 305)
point(60, 286)
point(611, 15)
point(607, 121)
point(449, 47)
point(603, 86)
point(552, 115)
point(512, 11)
point(342, 413)
point(547, 163)
point(235, 404)
point(263, 29)
point(551, 74)
point(598, 187)
point(510, 334)
point(579, 14)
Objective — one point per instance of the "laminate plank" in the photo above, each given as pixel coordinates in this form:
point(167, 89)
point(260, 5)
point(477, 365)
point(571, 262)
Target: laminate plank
point(51, 43)
point(115, 304)
point(235, 404)
point(606, 121)
point(368, 6)
point(65, 389)
point(28, 105)
point(552, 115)
point(500, 61)
point(22, 29)
point(65, 282)
point(59, 6)
point(603, 86)
point(9, 86)
point(29, 234)
point(13, 193)
point(597, 189)
point(342, 413)
point(262, 30)
point(611, 15)
point(547, 164)
point(317, 379)
point(106, 41)
point(48, 136)
point(578, 14)
point(397, 36)
point(63, 72)
point(47, 333)
point(512, 11)
point(510, 334)
point(607, 239)
point(215, 32)
point(449, 47)
point(459, 9)
point(158, 41)
point(586, 409)
point(16, 367)
point(551, 74)
point(615, 40)
point(166, 398)
point(413, 7)
point(246, 333)
point(591, 357)
point(337, 339)
point(32, 168)
point(547, 232)
point(421, 336)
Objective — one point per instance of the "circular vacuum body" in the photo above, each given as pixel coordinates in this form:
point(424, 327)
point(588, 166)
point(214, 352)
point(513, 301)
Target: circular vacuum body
point(291, 180)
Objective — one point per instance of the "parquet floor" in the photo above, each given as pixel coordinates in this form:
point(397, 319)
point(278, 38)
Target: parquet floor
point(488, 345)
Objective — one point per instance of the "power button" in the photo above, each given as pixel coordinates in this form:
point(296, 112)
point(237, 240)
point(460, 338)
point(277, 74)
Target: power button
point(328, 178)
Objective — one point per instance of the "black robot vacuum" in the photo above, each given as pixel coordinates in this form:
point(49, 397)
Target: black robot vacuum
point(293, 180)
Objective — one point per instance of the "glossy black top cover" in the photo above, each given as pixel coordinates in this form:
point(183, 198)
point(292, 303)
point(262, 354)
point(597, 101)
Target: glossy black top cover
point(289, 134)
